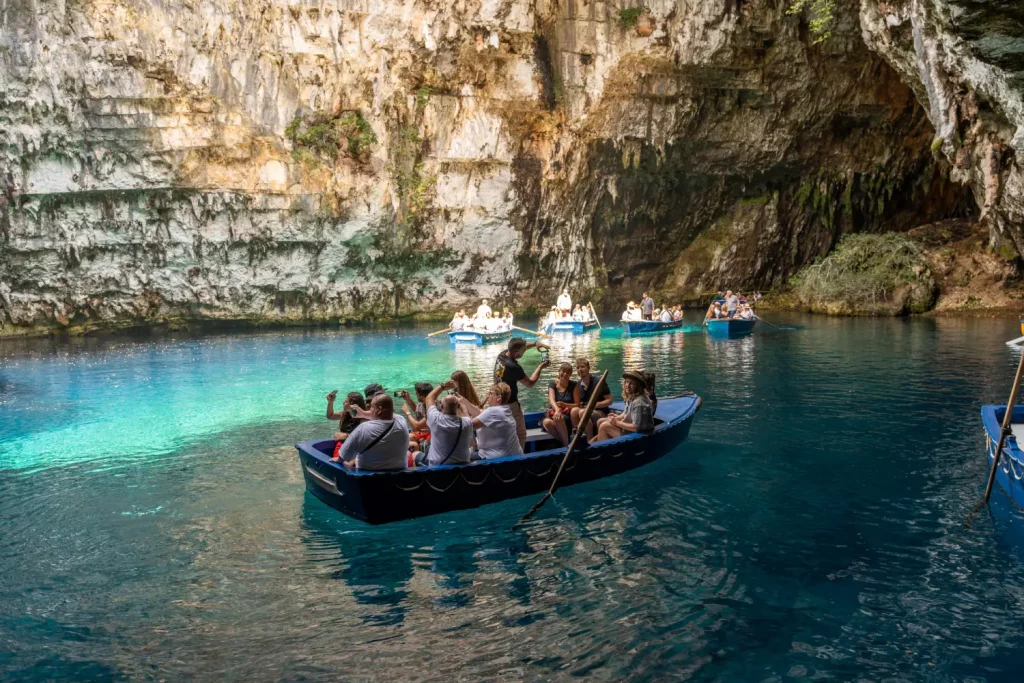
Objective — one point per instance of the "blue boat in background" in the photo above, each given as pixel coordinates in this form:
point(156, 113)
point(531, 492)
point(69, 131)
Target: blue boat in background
point(633, 327)
point(478, 338)
point(730, 328)
point(1011, 464)
point(570, 326)
point(382, 497)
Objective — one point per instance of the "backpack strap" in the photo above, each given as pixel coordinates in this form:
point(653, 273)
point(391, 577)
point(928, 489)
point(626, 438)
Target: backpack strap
point(378, 439)
point(457, 439)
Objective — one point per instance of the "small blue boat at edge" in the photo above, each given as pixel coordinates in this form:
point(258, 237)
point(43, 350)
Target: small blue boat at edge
point(734, 327)
point(390, 496)
point(478, 338)
point(631, 327)
point(573, 326)
point(1010, 474)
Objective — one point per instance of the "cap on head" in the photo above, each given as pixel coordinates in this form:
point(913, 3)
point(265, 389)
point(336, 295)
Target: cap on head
point(372, 390)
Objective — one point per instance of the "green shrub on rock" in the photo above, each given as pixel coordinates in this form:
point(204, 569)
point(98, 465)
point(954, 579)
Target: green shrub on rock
point(868, 274)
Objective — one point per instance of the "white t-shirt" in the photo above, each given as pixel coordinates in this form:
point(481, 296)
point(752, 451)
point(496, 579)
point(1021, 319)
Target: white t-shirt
point(457, 324)
point(443, 430)
point(482, 311)
point(564, 302)
point(498, 435)
point(389, 453)
point(666, 316)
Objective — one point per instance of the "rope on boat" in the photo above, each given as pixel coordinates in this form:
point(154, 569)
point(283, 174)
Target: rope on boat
point(542, 474)
point(451, 484)
point(508, 481)
point(475, 483)
point(601, 452)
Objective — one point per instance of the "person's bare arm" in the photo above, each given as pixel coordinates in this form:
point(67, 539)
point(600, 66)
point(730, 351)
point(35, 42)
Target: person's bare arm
point(408, 400)
point(415, 424)
point(533, 379)
point(551, 400)
point(575, 397)
point(477, 424)
point(471, 410)
point(431, 398)
point(331, 415)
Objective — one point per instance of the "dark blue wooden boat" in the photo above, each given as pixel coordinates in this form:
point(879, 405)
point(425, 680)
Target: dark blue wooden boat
point(734, 327)
point(570, 326)
point(1011, 464)
point(633, 327)
point(478, 338)
point(381, 497)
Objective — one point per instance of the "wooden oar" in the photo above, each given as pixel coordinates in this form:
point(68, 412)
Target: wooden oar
point(523, 329)
point(434, 334)
point(762, 320)
point(1006, 431)
point(581, 430)
point(590, 305)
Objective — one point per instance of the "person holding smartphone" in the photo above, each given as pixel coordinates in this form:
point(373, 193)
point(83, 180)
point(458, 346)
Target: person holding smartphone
point(347, 418)
point(508, 370)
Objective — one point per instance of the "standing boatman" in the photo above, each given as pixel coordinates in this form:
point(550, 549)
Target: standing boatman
point(483, 310)
point(732, 302)
point(564, 301)
point(508, 370)
point(647, 306)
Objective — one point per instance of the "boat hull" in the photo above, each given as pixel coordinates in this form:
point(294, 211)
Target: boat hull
point(635, 327)
point(382, 497)
point(1010, 475)
point(570, 327)
point(478, 338)
point(736, 327)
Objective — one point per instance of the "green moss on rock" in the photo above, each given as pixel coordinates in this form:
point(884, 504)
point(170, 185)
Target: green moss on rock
point(868, 274)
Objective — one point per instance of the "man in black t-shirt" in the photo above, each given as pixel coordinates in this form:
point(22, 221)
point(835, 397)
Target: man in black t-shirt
point(508, 370)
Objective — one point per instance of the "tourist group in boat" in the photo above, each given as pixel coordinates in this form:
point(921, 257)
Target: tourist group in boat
point(646, 310)
point(449, 423)
point(564, 311)
point(729, 306)
point(484, 320)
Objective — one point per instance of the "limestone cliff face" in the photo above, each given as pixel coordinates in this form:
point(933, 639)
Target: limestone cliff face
point(965, 61)
point(327, 159)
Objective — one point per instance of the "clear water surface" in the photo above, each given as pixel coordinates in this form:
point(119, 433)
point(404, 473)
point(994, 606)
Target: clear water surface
point(154, 524)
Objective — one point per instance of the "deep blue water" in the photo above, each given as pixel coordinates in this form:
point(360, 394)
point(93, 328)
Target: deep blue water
point(154, 525)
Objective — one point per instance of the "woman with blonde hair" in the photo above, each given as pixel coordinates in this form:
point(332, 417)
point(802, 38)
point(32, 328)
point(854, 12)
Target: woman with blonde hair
point(638, 416)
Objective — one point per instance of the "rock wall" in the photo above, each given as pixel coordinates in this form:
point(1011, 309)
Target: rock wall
point(319, 160)
point(965, 62)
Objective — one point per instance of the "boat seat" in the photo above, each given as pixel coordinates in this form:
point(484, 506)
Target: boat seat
point(536, 434)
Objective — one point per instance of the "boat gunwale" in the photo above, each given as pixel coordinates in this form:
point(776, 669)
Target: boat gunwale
point(992, 423)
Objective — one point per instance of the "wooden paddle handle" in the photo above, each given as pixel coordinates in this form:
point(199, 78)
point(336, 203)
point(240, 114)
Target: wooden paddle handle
point(580, 429)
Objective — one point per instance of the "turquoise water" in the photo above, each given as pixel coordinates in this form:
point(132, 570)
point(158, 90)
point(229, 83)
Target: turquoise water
point(154, 526)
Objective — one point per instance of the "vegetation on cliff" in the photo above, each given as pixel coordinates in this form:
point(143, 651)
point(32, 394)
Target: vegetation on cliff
point(868, 274)
point(322, 136)
point(823, 16)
